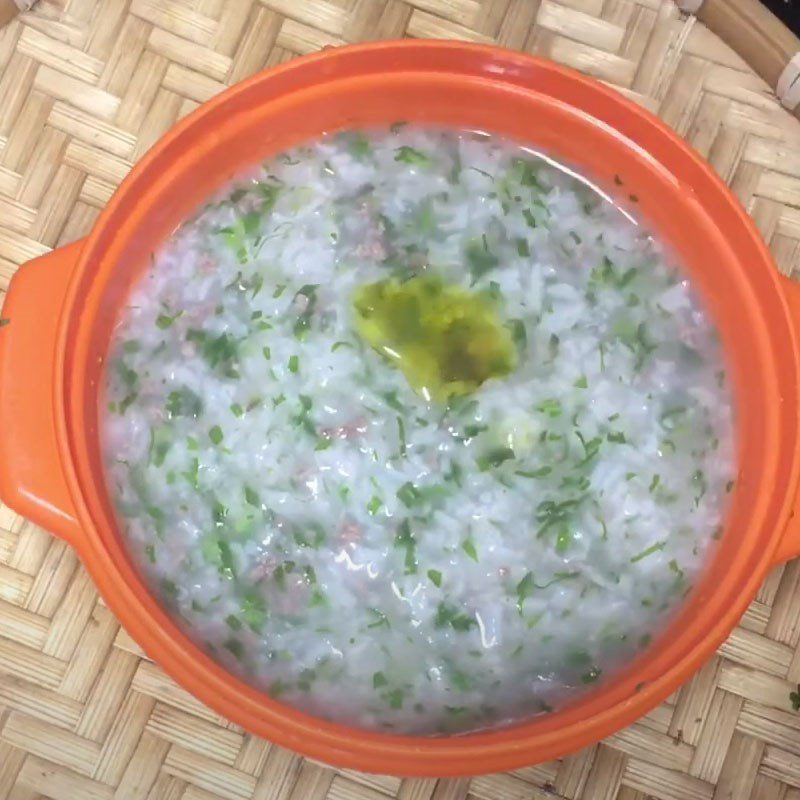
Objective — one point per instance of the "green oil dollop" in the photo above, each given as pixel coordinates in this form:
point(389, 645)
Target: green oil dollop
point(446, 340)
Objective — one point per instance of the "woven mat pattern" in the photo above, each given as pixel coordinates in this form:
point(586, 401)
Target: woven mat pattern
point(86, 86)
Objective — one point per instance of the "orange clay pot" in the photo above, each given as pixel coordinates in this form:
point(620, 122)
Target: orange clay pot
point(62, 310)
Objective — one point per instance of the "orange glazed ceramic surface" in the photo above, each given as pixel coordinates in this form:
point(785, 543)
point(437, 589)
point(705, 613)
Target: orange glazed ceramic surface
point(62, 308)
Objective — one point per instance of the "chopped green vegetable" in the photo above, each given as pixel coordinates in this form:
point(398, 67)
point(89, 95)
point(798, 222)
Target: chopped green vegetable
point(494, 458)
point(480, 259)
point(550, 512)
point(160, 442)
point(526, 171)
point(380, 620)
point(435, 577)
point(699, 482)
point(591, 447)
point(395, 698)
point(409, 155)
point(129, 376)
point(404, 539)
point(635, 338)
point(278, 688)
point(468, 546)
point(669, 419)
point(234, 623)
point(534, 473)
point(392, 401)
point(359, 146)
point(236, 648)
point(460, 681)
point(401, 435)
point(317, 599)
point(164, 321)
point(550, 407)
point(525, 589)
point(193, 473)
point(226, 561)
point(455, 474)
point(563, 540)
point(654, 548)
point(378, 680)
point(408, 494)
point(471, 431)
point(302, 419)
point(518, 333)
point(450, 616)
point(169, 588)
point(184, 402)
point(126, 402)
point(675, 567)
point(316, 542)
point(216, 435)
point(221, 353)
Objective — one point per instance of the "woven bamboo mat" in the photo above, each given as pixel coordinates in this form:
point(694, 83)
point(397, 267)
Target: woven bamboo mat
point(86, 86)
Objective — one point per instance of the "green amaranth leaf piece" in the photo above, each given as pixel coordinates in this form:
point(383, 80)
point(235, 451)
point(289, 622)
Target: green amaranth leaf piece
point(404, 539)
point(184, 402)
point(468, 546)
point(221, 353)
point(378, 680)
point(648, 551)
point(494, 458)
point(435, 577)
point(409, 155)
point(164, 321)
point(450, 616)
point(480, 259)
